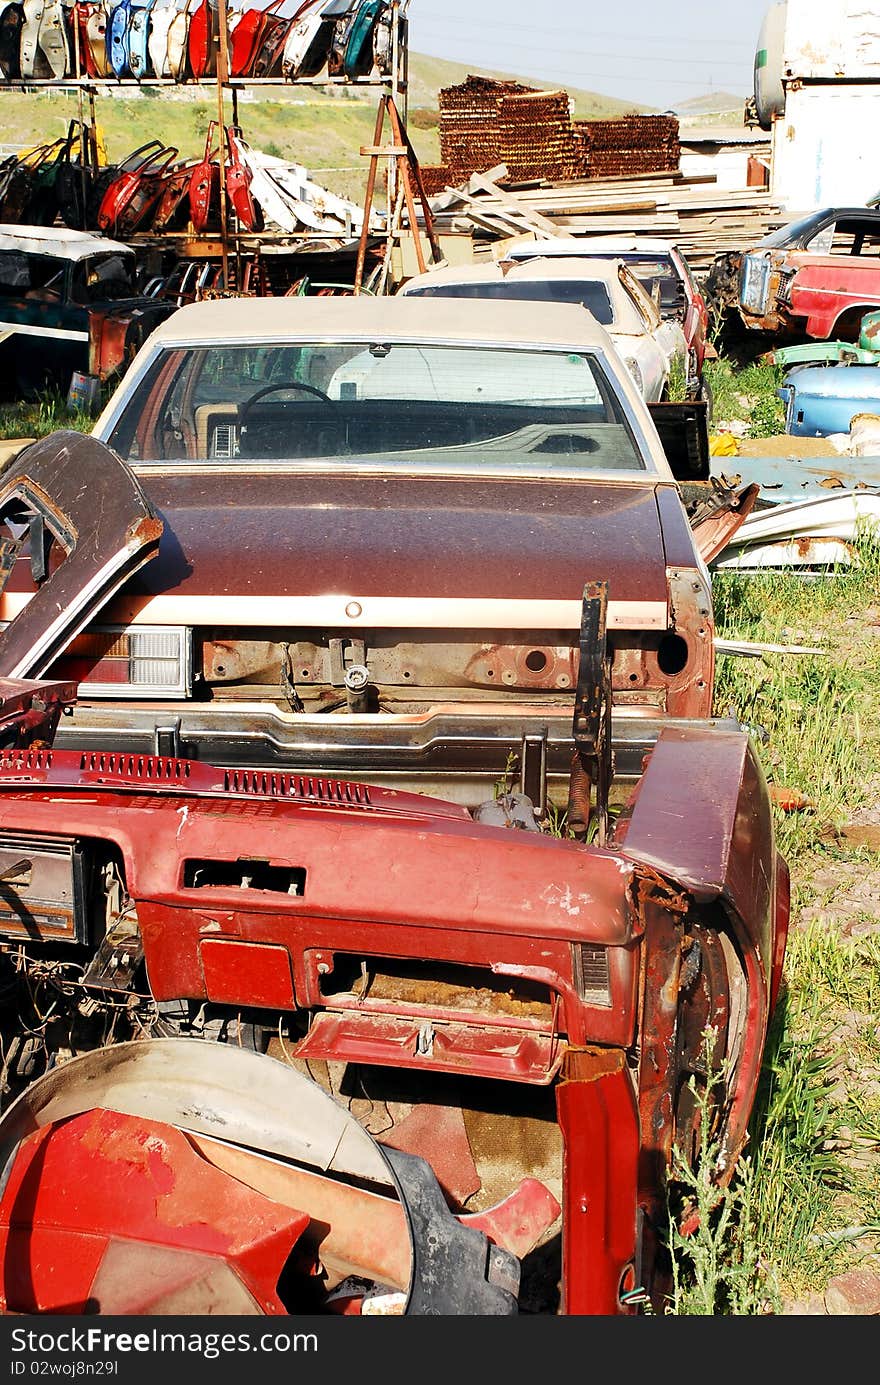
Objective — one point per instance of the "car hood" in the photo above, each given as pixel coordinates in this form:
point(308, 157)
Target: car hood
point(231, 533)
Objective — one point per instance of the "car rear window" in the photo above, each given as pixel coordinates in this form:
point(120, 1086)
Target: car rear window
point(400, 403)
point(585, 293)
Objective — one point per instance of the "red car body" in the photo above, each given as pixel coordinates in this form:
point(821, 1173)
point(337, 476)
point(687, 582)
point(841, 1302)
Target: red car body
point(811, 280)
point(485, 1041)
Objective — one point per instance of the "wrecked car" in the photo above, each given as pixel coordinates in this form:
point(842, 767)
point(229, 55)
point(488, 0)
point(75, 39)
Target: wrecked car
point(660, 268)
point(69, 303)
point(820, 400)
point(280, 1042)
point(653, 347)
point(813, 279)
point(380, 517)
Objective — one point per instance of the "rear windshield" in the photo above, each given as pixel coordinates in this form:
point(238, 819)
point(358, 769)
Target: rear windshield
point(585, 293)
point(399, 403)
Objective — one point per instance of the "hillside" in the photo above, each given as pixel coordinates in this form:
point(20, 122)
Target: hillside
point(427, 76)
point(321, 128)
point(711, 104)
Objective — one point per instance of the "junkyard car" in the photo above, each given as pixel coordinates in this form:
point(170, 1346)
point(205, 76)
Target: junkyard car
point(660, 268)
point(820, 400)
point(653, 348)
point(813, 279)
point(69, 302)
point(380, 517)
point(513, 1029)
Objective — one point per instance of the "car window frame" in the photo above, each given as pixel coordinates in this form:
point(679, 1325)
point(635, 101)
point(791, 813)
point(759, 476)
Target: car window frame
point(646, 445)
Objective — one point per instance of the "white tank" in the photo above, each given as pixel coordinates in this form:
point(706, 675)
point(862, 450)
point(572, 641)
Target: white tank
point(769, 90)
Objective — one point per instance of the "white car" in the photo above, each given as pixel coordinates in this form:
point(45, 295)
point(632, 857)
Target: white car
point(654, 350)
point(660, 268)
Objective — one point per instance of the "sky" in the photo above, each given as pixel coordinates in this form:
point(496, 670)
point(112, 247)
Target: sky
point(638, 50)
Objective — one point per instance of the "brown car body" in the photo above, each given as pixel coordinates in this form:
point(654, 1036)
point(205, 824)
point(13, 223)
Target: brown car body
point(456, 584)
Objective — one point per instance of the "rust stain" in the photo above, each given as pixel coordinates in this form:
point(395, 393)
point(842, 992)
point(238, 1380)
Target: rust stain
point(592, 1063)
point(652, 888)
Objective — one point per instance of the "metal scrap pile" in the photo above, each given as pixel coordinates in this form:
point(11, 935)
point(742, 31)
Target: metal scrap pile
point(628, 147)
point(484, 122)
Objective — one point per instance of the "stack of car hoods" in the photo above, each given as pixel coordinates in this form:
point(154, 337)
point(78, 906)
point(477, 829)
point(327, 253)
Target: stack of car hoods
point(46, 40)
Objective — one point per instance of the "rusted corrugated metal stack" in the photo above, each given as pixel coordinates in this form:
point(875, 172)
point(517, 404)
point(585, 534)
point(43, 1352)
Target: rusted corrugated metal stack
point(469, 124)
point(628, 147)
point(536, 138)
point(435, 177)
point(484, 122)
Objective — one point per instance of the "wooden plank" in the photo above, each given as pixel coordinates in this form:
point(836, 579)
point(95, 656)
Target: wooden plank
point(522, 206)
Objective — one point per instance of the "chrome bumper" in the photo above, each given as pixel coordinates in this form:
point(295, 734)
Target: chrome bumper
point(459, 753)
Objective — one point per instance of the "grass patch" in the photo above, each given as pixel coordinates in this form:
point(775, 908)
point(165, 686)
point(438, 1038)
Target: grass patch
point(812, 1200)
point(34, 418)
point(802, 1205)
point(747, 394)
point(814, 717)
point(797, 1207)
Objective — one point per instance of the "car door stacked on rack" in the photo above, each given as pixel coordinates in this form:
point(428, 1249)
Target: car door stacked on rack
point(49, 40)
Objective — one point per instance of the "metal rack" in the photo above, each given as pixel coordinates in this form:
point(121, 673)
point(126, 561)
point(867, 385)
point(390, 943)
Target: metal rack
point(396, 81)
point(393, 86)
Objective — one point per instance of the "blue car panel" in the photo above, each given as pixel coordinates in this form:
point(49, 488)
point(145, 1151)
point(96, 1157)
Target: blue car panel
point(824, 399)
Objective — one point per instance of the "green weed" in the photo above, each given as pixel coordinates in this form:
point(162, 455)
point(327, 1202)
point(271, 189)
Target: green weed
point(747, 394)
point(34, 418)
point(717, 1267)
point(799, 1117)
point(677, 382)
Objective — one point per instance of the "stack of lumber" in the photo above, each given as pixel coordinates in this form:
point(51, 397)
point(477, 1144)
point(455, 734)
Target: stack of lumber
point(694, 213)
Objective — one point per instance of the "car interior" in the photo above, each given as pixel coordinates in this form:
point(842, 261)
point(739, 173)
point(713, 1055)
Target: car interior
point(351, 403)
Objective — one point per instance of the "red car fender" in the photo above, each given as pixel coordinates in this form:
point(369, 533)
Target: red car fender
point(825, 288)
point(731, 872)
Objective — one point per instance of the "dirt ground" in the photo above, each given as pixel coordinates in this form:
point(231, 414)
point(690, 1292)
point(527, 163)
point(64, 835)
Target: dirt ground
point(785, 445)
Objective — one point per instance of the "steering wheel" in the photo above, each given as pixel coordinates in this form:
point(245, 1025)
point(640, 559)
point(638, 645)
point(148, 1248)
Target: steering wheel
point(245, 408)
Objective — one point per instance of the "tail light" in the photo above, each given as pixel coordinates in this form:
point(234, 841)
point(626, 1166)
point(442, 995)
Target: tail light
point(129, 661)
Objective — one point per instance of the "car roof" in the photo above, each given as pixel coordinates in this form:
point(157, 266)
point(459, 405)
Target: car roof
point(576, 246)
point(57, 240)
point(398, 317)
point(603, 271)
point(578, 267)
point(456, 274)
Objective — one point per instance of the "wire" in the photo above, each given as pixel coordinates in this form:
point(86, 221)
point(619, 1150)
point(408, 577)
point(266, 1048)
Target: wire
point(284, 1048)
point(656, 60)
point(476, 26)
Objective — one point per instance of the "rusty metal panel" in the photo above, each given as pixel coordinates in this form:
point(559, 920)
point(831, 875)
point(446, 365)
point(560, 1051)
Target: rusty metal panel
point(702, 818)
point(41, 886)
point(102, 529)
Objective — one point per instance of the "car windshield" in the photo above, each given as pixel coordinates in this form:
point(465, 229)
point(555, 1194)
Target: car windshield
point(433, 405)
point(585, 293)
point(656, 272)
point(794, 231)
